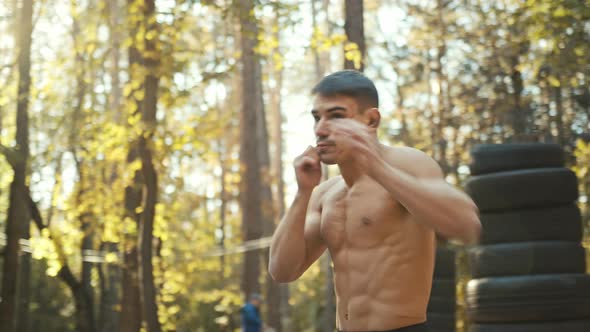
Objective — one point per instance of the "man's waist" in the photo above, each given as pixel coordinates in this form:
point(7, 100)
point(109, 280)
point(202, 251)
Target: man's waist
point(422, 327)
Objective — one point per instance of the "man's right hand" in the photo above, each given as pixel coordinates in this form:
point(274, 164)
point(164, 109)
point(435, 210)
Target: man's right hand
point(308, 170)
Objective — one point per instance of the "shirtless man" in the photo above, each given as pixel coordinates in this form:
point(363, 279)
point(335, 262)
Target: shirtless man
point(377, 219)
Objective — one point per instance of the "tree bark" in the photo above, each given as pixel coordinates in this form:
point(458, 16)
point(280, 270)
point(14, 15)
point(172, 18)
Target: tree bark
point(250, 199)
point(84, 313)
point(271, 170)
point(559, 126)
point(518, 119)
point(18, 213)
point(82, 290)
point(319, 69)
point(115, 39)
point(222, 207)
point(130, 319)
point(109, 278)
point(110, 274)
point(355, 31)
point(150, 190)
point(440, 140)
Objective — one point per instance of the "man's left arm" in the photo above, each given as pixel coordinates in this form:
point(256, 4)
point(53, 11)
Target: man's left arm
point(428, 197)
point(423, 192)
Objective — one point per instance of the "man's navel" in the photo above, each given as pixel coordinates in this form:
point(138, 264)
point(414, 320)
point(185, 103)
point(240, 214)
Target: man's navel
point(366, 221)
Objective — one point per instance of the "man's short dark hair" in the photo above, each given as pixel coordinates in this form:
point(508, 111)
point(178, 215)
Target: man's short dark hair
point(349, 83)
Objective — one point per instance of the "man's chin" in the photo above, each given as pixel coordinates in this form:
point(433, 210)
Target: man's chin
point(328, 160)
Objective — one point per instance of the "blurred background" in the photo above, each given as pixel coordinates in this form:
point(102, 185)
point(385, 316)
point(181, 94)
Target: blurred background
point(147, 145)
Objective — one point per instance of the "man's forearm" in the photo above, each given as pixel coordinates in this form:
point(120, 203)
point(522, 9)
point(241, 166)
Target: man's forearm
point(287, 249)
point(432, 201)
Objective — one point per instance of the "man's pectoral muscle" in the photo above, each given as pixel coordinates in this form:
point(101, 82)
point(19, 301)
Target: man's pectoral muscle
point(382, 257)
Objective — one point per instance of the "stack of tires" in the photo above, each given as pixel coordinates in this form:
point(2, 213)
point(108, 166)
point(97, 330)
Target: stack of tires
point(441, 307)
point(529, 268)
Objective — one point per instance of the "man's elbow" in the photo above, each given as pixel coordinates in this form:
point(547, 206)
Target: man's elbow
point(474, 232)
point(465, 227)
point(279, 274)
point(472, 228)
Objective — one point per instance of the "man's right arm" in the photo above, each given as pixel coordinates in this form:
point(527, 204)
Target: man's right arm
point(297, 242)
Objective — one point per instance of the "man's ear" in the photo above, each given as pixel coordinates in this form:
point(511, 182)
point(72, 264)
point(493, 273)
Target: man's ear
point(373, 117)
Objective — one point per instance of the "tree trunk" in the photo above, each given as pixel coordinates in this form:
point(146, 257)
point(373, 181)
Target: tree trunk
point(355, 31)
point(87, 289)
point(23, 323)
point(319, 69)
point(18, 213)
point(150, 190)
point(441, 141)
point(82, 290)
point(268, 169)
point(130, 319)
point(250, 199)
point(84, 313)
point(109, 277)
point(518, 119)
point(222, 208)
point(110, 274)
point(277, 164)
point(559, 115)
point(115, 34)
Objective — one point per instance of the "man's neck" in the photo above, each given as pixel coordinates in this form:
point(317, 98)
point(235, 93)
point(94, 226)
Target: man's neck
point(350, 173)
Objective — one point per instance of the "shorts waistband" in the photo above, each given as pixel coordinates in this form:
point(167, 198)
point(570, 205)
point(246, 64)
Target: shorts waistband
point(422, 327)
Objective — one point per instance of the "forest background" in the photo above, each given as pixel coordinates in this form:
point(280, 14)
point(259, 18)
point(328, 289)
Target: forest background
point(147, 144)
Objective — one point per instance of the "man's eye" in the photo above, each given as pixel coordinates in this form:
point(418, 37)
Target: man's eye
point(338, 115)
point(316, 118)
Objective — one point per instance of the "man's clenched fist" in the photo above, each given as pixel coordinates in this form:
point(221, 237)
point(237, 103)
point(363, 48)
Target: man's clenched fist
point(308, 170)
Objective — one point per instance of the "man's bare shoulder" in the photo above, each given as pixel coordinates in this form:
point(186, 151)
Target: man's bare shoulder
point(412, 161)
point(324, 186)
point(320, 190)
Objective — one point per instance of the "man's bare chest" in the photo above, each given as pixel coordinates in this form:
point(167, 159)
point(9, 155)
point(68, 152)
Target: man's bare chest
point(362, 216)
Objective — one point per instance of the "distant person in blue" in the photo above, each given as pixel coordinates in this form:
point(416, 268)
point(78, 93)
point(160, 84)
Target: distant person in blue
point(251, 321)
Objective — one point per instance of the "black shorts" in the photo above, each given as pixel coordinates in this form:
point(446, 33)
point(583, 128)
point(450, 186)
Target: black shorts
point(423, 327)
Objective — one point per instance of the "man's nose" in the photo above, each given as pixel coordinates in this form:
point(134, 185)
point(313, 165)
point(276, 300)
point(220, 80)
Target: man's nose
point(322, 129)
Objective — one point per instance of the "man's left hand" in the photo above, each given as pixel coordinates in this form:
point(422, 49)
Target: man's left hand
point(356, 141)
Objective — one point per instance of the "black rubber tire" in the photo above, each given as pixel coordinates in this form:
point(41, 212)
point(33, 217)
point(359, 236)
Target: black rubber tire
point(490, 158)
point(437, 321)
point(444, 264)
point(531, 188)
point(440, 304)
point(560, 326)
point(562, 223)
point(443, 288)
point(528, 298)
point(511, 259)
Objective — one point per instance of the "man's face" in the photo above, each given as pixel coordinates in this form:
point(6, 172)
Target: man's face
point(326, 110)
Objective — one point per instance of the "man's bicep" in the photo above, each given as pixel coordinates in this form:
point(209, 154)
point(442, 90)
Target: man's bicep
point(422, 165)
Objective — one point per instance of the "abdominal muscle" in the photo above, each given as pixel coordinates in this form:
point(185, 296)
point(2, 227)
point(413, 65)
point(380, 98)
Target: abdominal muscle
point(383, 263)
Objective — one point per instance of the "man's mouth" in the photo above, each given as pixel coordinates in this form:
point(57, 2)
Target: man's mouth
point(324, 147)
point(324, 144)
